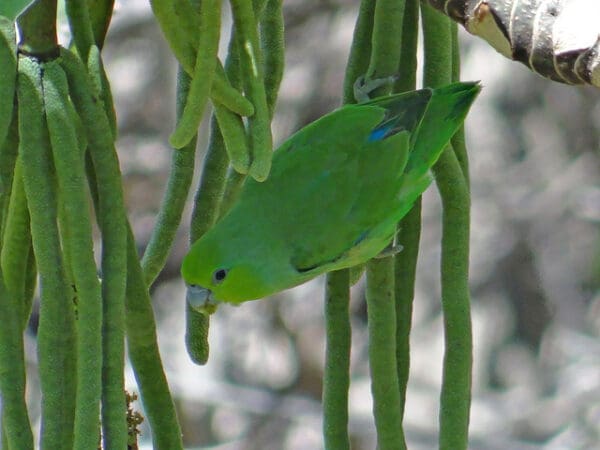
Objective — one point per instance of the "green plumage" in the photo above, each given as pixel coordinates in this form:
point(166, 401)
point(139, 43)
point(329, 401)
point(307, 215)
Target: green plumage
point(336, 191)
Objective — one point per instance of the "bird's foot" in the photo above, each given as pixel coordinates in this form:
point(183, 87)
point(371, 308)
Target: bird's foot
point(390, 251)
point(363, 86)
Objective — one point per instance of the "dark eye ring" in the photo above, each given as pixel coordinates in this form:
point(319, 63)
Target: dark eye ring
point(219, 275)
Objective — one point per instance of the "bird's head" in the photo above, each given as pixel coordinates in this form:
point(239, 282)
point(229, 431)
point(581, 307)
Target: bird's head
point(221, 269)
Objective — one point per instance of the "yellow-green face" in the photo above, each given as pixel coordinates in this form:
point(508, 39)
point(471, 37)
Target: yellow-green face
point(215, 273)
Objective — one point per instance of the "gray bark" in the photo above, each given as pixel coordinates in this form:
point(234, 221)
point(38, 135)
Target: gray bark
point(558, 39)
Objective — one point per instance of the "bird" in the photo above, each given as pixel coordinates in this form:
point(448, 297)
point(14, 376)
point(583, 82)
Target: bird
point(336, 192)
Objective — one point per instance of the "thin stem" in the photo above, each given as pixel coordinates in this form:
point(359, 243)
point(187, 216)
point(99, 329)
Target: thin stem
point(101, 12)
point(456, 384)
point(207, 204)
point(81, 26)
point(251, 65)
point(407, 68)
point(37, 29)
point(336, 376)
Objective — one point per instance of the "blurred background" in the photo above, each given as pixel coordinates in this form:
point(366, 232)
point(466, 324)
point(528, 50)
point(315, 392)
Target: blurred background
point(534, 147)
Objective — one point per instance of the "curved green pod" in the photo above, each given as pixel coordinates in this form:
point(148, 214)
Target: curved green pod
point(204, 69)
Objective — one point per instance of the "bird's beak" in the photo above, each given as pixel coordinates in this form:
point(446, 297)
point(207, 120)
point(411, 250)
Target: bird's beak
point(201, 299)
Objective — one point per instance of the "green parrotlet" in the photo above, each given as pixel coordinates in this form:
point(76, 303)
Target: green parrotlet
point(333, 199)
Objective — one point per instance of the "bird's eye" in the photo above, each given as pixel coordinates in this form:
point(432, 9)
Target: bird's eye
point(219, 275)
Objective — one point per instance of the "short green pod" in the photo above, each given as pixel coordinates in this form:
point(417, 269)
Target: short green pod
point(208, 46)
point(234, 136)
point(224, 93)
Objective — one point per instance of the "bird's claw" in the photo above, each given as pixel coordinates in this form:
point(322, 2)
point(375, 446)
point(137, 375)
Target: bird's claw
point(363, 86)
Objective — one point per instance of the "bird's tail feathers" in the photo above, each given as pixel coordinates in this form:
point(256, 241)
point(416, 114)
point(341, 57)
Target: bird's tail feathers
point(445, 113)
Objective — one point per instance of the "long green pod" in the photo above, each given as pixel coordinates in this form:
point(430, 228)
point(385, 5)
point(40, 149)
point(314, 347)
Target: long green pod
point(459, 144)
point(15, 420)
point(451, 182)
point(68, 161)
point(409, 228)
point(337, 319)
point(145, 357)
point(14, 306)
point(386, 38)
point(56, 331)
point(272, 43)
point(16, 244)
point(207, 200)
point(259, 125)
point(382, 355)
point(110, 212)
point(336, 375)
point(205, 64)
point(8, 74)
point(234, 135)
point(208, 203)
point(173, 203)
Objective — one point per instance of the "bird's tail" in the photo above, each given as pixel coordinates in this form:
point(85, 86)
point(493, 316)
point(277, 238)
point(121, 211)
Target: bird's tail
point(445, 113)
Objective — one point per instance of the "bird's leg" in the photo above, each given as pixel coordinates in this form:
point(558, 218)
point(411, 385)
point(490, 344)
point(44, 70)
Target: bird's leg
point(390, 251)
point(363, 86)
